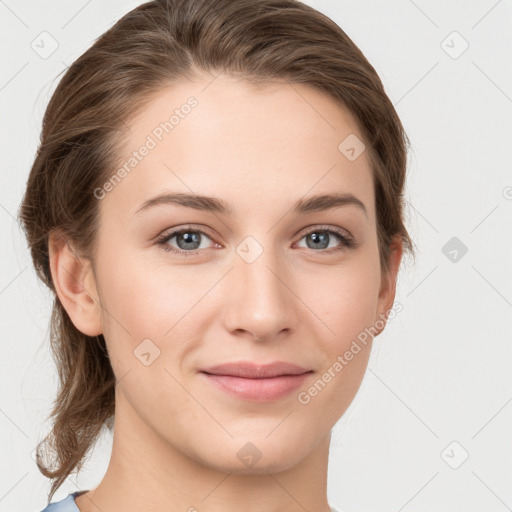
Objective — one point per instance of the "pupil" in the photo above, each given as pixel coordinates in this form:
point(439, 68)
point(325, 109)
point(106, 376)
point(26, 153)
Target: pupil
point(189, 239)
point(321, 238)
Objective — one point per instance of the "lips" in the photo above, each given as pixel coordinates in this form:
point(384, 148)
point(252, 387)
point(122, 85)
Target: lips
point(249, 370)
point(257, 382)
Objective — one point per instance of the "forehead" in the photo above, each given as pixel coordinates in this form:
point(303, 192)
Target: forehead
point(221, 136)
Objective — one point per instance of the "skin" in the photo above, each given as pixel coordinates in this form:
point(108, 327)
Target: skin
point(176, 436)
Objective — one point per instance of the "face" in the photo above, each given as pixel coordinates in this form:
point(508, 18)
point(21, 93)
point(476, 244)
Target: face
point(186, 284)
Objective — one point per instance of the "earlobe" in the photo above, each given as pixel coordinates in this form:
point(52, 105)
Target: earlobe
point(75, 285)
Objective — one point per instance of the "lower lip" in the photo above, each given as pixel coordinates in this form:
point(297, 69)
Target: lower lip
point(258, 390)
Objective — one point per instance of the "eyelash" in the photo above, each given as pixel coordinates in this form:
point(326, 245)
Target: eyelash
point(347, 241)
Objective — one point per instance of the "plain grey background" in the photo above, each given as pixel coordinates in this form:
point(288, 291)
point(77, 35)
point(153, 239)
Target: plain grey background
point(430, 428)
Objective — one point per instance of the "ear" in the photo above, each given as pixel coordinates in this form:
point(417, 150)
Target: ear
point(388, 283)
point(75, 285)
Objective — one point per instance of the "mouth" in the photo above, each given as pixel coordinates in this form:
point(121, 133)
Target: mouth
point(257, 383)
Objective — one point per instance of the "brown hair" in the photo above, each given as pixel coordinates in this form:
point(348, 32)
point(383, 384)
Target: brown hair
point(153, 46)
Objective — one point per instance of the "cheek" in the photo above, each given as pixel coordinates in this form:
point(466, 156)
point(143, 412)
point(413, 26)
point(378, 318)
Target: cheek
point(347, 305)
point(345, 299)
point(146, 302)
point(149, 299)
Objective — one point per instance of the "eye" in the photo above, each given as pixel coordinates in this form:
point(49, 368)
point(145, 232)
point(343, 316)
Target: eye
point(321, 237)
point(188, 240)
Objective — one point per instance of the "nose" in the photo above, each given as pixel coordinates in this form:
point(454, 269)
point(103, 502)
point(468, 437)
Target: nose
point(261, 304)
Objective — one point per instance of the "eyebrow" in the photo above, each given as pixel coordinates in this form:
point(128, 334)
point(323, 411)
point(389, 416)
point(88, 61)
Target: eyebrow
point(303, 206)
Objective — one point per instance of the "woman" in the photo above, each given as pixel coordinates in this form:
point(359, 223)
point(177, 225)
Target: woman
point(217, 204)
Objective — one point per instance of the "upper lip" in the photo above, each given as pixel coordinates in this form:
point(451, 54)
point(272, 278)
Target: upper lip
point(252, 370)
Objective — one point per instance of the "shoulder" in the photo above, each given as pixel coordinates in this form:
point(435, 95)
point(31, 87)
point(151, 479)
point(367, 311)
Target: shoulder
point(66, 505)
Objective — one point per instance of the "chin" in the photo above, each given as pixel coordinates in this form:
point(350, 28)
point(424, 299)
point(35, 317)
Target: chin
point(246, 457)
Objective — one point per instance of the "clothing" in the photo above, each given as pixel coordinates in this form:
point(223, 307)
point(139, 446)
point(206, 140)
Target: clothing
point(68, 504)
